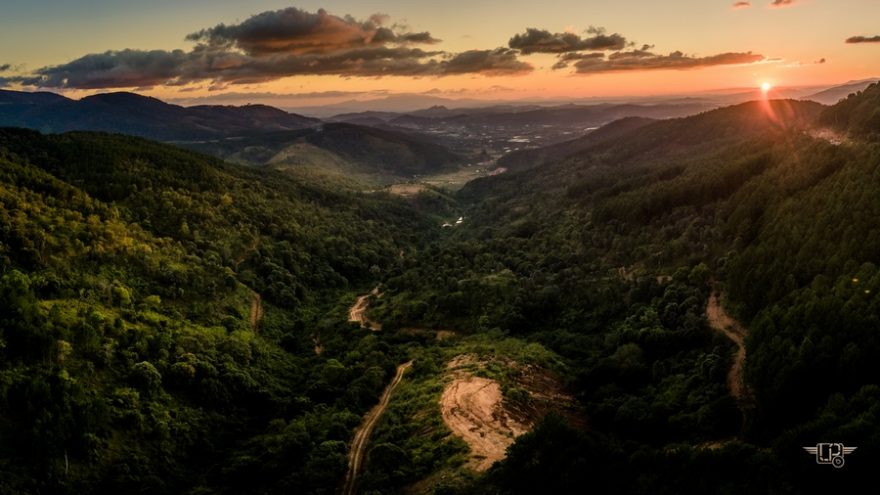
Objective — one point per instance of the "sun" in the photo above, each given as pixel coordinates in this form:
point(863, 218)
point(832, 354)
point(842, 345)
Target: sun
point(765, 86)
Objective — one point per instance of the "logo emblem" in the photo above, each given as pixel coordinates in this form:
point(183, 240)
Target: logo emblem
point(830, 453)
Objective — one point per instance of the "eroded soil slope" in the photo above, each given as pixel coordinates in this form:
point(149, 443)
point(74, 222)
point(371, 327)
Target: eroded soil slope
point(475, 409)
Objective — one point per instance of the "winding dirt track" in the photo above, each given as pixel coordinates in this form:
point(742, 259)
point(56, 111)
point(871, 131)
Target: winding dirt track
point(362, 434)
point(358, 312)
point(724, 323)
point(256, 310)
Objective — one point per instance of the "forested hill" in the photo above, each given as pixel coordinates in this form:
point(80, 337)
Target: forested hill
point(657, 152)
point(160, 316)
point(343, 148)
point(136, 115)
point(529, 158)
point(858, 114)
point(608, 257)
point(176, 324)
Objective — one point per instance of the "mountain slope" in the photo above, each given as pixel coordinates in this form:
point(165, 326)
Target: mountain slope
point(523, 159)
point(858, 114)
point(339, 148)
point(128, 113)
point(832, 96)
point(502, 115)
point(608, 257)
point(128, 358)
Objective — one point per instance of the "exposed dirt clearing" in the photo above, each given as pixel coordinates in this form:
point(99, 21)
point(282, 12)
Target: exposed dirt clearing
point(445, 334)
point(406, 190)
point(362, 434)
point(472, 408)
point(829, 135)
point(358, 312)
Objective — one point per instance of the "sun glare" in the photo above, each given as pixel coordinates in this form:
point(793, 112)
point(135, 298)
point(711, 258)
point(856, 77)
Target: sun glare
point(765, 87)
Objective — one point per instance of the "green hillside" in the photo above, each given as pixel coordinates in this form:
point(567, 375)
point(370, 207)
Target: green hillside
point(858, 114)
point(529, 158)
point(343, 150)
point(608, 257)
point(129, 358)
point(137, 115)
point(176, 324)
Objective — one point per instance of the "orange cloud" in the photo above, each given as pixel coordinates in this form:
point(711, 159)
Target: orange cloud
point(643, 60)
point(274, 45)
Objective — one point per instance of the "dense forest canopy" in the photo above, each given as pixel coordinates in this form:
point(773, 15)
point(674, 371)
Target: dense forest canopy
point(133, 277)
point(129, 361)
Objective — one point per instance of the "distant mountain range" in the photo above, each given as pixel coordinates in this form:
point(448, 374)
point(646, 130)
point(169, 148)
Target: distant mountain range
point(569, 115)
point(384, 140)
point(833, 95)
point(137, 115)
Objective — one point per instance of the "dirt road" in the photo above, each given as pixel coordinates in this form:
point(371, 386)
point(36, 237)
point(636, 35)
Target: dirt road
point(722, 322)
point(362, 434)
point(256, 310)
point(358, 312)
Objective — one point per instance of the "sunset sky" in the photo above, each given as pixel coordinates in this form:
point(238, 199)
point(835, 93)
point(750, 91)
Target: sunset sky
point(455, 48)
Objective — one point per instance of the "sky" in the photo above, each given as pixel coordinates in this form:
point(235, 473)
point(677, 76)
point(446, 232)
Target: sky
point(326, 51)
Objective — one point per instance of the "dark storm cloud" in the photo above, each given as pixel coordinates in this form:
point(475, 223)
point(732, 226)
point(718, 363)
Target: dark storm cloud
point(863, 39)
point(423, 37)
point(296, 31)
point(364, 62)
point(642, 60)
point(543, 41)
point(111, 69)
point(499, 61)
point(273, 45)
point(602, 53)
point(294, 42)
point(133, 68)
point(566, 58)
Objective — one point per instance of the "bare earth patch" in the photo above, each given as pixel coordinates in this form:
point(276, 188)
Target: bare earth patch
point(475, 409)
point(406, 190)
point(472, 408)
